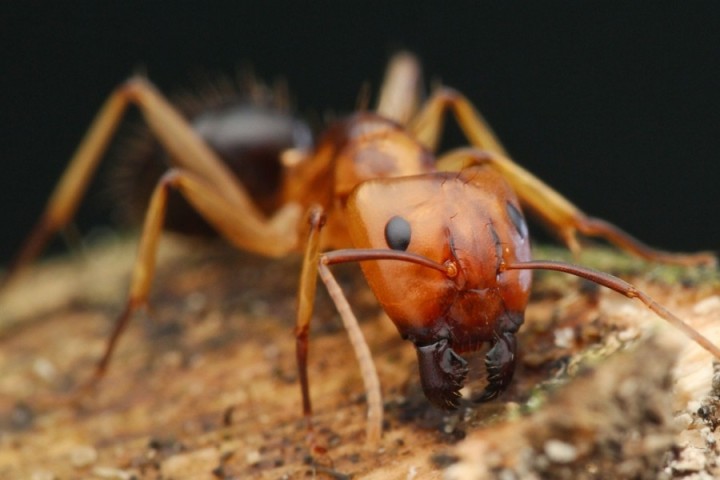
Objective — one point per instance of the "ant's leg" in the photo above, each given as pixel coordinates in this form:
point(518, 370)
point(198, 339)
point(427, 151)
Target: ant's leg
point(306, 299)
point(551, 207)
point(314, 264)
point(427, 126)
point(275, 238)
point(63, 202)
point(400, 91)
point(186, 149)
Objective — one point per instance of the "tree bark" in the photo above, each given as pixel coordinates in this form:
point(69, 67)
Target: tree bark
point(204, 384)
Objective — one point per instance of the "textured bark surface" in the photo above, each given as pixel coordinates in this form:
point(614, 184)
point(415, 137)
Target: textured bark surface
point(204, 384)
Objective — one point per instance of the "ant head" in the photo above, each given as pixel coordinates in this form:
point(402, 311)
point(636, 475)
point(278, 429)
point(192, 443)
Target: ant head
point(452, 219)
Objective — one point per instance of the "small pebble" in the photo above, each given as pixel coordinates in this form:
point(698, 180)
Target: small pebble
point(560, 452)
point(44, 369)
point(252, 457)
point(708, 305)
point(110, 473)
point(564, 337)
point(43, 475)
point(683, 421)
point(708, 436)
point(691, 460)
point(82, 456)
point(412, 473)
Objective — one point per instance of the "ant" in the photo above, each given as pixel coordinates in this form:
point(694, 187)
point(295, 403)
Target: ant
point(442, 241)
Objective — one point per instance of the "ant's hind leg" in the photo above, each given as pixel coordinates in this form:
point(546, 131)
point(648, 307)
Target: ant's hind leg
point(401, 88)
point(63, 202)
point(187, 150)
point(544, 202)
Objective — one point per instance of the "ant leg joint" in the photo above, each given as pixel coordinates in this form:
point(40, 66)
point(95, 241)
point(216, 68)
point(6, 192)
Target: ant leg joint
point(134, 81)
point(135, 87)
point(447, 94)
point(317, 217)
point(170, 177)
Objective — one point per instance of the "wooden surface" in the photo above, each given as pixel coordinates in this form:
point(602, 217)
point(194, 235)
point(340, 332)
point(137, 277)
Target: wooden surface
point(204, 385)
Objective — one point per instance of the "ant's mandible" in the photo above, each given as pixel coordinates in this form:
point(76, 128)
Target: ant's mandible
point(442, 241)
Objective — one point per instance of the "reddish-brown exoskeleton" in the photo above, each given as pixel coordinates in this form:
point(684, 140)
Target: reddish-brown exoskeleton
point(442, 241)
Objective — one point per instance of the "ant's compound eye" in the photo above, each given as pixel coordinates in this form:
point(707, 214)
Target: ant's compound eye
point(397, 233)
point(517, 219)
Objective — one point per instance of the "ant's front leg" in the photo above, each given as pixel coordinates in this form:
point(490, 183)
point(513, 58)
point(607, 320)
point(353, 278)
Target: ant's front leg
point(307, 289)
point(314, 264)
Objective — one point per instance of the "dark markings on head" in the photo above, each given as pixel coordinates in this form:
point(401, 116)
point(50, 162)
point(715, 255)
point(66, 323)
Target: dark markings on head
point(498, 244)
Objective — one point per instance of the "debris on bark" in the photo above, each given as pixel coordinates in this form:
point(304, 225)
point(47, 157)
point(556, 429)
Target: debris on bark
point(203, 384)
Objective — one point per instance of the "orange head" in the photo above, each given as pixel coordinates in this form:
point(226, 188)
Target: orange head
point(470, 222)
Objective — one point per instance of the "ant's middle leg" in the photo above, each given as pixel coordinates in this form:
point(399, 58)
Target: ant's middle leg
point(546, 203)
point(273, 238)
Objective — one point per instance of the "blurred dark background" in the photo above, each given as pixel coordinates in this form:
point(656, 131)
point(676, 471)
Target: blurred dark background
point(615, 104)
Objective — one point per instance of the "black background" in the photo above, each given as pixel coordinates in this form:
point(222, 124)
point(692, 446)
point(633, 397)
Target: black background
point(613, 103)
